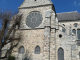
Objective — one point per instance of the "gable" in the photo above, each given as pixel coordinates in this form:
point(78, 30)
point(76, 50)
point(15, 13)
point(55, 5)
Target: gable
point(32, 3)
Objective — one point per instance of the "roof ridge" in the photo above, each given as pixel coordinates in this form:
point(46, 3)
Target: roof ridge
point(67, 12)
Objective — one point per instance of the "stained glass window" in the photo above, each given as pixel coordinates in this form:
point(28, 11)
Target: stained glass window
point(78, 33)
point(60, 54)
point(63, 29)
point(75, 25)
point(34, 19)
point(0, 53)
point(37, 50)
point(79, 54)
point(74, 31)
point(21, 50)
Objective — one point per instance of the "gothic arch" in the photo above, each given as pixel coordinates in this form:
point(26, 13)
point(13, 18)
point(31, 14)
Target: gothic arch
point(21, 50)
point(74, 31)
point(79, 54)
point(37, 50)
point(75, 24)
point(78, 33)
point(60, 54)
point(63, 28)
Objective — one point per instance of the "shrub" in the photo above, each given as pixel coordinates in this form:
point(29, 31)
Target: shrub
point(11, 58)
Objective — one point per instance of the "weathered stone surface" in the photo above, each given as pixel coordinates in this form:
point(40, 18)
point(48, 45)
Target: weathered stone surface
point(31, 3)
point(48, 35)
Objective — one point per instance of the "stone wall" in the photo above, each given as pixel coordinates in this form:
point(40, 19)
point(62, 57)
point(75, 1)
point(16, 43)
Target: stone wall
point(69, 24)
point(68, 43)
point(46, 36)
point(30, 39)
point(26, 12)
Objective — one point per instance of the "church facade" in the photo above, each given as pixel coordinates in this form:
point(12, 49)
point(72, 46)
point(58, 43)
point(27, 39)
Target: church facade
point(47, 35)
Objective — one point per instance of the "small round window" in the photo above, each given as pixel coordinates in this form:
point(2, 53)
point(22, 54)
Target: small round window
point(60, 35)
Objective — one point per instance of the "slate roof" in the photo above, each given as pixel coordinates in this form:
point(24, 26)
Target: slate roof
point(68, 16)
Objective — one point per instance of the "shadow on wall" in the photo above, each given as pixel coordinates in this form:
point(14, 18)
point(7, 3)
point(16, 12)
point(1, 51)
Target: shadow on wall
point(27, 56)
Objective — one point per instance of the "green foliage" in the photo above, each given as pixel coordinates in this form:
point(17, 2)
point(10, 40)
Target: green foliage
point(11, 58)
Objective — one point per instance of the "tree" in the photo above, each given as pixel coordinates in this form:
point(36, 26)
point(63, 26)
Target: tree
point(9, 21)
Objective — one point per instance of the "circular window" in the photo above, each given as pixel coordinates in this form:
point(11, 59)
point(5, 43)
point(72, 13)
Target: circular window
point(60, 36)
point(34, 19)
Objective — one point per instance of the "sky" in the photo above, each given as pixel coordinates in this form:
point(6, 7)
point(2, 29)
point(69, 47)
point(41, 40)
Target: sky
point(60, 5)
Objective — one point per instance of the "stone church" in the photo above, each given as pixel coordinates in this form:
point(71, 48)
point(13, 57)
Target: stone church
point(47, 35)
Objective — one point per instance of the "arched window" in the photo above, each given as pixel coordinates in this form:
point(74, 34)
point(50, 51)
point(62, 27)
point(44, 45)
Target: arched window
point(21, 50)
point(75, 25)
point(63, 29)
point(78, 33)
point(74, 31)
point(79, 54)
point(37, 50)
point(60, 54)
point(0, 53)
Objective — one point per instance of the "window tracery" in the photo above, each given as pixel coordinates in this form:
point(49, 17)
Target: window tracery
point(37, 50)
point(21, 50)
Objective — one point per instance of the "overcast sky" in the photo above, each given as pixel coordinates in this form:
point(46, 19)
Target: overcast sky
point(60, 5)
